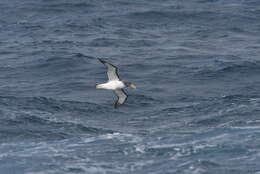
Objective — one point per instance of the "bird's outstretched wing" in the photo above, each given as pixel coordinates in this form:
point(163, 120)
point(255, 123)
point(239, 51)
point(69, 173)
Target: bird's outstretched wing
point(111, 70)
point(122, 96)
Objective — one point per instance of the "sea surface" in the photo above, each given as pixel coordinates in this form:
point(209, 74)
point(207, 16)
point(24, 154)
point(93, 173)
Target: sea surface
point(196, 65)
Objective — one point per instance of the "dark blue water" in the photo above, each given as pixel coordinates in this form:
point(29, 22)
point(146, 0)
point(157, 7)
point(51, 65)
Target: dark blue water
point(196, 108)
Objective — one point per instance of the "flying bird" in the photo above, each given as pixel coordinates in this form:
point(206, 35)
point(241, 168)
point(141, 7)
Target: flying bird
point(115, 83)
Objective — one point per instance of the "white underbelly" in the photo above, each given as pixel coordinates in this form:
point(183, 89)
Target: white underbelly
point(111, 85)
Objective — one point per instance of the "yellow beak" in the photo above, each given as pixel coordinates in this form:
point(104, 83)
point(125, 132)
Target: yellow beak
point(132, 86)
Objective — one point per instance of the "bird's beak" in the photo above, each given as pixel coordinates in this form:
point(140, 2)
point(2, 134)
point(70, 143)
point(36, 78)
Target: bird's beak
point(132, 86)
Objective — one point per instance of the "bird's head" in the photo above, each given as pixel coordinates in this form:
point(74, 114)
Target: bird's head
point(129, 84)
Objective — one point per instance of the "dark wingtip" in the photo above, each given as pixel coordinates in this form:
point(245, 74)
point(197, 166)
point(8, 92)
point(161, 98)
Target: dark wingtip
point(102, 61)
point(116, 105)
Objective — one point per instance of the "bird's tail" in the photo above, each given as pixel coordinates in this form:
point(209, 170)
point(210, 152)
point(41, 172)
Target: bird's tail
point(99, 86)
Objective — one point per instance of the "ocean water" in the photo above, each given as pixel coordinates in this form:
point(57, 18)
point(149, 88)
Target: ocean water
point(196, 109)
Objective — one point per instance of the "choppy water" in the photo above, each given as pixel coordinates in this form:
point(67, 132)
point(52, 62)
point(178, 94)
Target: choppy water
point(196, 65)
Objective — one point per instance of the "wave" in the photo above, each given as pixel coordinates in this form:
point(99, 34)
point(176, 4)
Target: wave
point(58, 7)
point(227, 69)
point(40, 118)
point(46, 104)
point(170, 16)
point(102, 42)
point(59, 63)
point(28, 127)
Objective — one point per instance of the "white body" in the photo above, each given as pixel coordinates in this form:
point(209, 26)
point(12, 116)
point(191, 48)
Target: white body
point(111, 85)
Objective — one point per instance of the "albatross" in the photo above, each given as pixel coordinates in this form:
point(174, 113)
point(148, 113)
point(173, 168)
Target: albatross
point(115, 83)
